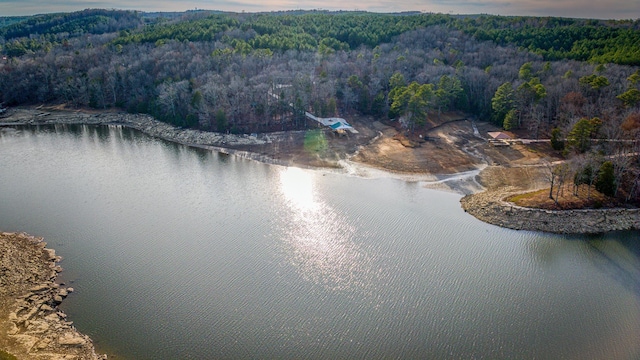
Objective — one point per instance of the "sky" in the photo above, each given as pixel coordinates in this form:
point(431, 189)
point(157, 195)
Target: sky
point(598, 9)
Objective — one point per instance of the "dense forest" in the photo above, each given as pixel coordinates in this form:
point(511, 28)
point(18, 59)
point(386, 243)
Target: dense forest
point(574, 80)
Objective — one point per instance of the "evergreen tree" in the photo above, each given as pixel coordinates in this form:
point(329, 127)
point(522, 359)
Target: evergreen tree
point(510, 119)
point(630, 98)
point(526, 71)
point(579, 138)
point(502, 102)
point(606, 181)
point(556, 139)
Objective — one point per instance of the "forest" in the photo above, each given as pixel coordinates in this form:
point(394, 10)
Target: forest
point(576, 81)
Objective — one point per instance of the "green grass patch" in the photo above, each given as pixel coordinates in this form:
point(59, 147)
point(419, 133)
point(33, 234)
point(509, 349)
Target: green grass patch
point(315, 141)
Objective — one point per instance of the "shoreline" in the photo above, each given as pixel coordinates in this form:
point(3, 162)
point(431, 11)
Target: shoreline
point(237, 145)
point(500, 183)
point(489, 206)
point(31, 324)
point(483, 201)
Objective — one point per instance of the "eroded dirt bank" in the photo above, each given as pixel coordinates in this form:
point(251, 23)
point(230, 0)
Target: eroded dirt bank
point(31, 325)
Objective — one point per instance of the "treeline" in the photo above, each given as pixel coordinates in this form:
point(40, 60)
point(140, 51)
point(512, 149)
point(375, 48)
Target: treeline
point(42, 32)
point(596, 41)
point(308, 32)
point(93, 21)
point(8, 20)
point(553, 38)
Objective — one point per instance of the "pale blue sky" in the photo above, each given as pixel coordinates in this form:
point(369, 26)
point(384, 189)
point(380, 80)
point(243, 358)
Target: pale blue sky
point(600, 9)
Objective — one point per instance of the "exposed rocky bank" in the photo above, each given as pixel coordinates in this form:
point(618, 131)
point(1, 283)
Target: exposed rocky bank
point(282, 148)
point(31, 325)
point(141, 122)
point(490, 207)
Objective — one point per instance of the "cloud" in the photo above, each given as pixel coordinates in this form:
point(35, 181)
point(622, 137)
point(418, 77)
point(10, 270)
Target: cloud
point(612, 9)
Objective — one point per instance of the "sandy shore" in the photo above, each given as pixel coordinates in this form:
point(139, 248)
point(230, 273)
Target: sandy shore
point(31, 324)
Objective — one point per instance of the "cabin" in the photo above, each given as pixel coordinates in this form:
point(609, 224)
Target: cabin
point(338, 125)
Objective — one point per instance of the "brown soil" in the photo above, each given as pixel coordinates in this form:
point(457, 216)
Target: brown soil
point(567, 199)
point(443, 147)
point(514, 178)
point(315, 148)
point(441, 154)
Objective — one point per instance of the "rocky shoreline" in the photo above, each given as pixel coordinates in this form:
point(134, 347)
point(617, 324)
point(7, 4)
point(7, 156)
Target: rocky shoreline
point(270, 148)
point(144, 123)
point(490, 207)
point(31, 324)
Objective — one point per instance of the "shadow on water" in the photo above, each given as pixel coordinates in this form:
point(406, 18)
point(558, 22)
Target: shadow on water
point(620, 258)
point(615, 254)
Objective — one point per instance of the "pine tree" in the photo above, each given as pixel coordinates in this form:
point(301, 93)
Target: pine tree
point(502, 102)
point(510, 119)
point(606, 181)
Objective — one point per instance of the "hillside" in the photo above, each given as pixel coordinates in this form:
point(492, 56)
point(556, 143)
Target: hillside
point(576, 81)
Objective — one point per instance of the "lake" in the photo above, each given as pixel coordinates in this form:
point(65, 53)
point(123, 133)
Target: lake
point(182, 253)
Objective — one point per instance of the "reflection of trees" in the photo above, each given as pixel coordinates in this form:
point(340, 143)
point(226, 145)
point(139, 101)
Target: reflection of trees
point(616, 255)
point(620, 260)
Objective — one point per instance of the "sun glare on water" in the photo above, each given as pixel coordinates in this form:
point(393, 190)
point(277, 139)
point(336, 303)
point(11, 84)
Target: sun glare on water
point(319, 240)
point(297, 187)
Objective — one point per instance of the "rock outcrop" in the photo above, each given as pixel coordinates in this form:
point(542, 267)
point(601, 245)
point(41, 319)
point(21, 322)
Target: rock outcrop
point(31, 325)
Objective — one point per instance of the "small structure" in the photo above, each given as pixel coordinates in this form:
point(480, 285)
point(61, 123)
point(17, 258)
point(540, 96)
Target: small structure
point(499, 135)
point(336, 124)
point(499, 138)
point(339, 125)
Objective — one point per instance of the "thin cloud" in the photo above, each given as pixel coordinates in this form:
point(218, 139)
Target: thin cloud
point(612, 9)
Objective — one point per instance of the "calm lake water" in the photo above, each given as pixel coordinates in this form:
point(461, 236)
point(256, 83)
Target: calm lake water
point(178, 253)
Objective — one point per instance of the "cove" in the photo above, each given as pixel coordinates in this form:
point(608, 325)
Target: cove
point(177, 252)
